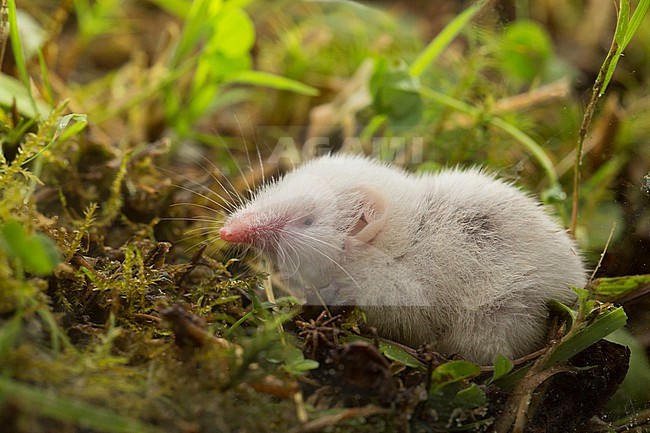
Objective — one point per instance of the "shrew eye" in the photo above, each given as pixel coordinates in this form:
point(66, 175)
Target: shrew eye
point(305, 220)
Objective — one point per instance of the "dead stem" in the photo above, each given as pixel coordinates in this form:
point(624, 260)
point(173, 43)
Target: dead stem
point(520, 361)
point(332, 420)
point(582, 133)
point(515, 412)
point(602, 255)
point(554, 91)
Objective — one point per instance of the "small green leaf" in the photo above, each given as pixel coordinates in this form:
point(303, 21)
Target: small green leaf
point(63, 132)
point(80, 123)
point(502, 366)
point(37, 253)
point(12, 90)
point(510, 380)
point(293, 359)
point(304, 365)
point(390, 351)
point(450, 390)
point(470, 397)
point(454, 371)
point(395, 94)
point(395, 353)
point(619, 286)
point(234, 35)
point(525, 51)
point(583, 294)
point(272, 81)
point(568, 315)
point(293, 355)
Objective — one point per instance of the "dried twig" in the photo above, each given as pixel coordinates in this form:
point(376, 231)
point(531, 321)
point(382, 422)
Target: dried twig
point(554, 91)
point(582, 133)
point(515, 413)
point(331, 420)
point(602, 255)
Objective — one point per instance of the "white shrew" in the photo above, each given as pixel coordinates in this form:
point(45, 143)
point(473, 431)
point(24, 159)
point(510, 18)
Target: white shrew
point(458, 258)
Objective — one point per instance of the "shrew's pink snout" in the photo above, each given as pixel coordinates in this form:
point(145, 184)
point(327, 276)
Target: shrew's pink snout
point(247, 231)
point(232, 234)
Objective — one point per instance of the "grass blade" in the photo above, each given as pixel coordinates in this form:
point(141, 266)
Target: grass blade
point(606, 323)
point(443, 39)
point(49, 404)
point(4, 29)
point(19, 56)
point(49, 92)
point(13, 90)
point(63, 132)
point(635, 22)
point(530, 145)
point(625, 30)
point(261, 78)
point(195, 27)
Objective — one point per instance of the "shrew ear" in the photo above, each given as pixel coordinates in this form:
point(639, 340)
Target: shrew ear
point(373, 215)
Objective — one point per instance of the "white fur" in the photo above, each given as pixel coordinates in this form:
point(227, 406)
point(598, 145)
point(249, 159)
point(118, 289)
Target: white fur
point(459, 259)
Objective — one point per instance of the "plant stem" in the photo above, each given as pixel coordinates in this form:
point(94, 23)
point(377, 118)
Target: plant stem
point(4, 29)
point(582, 133)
